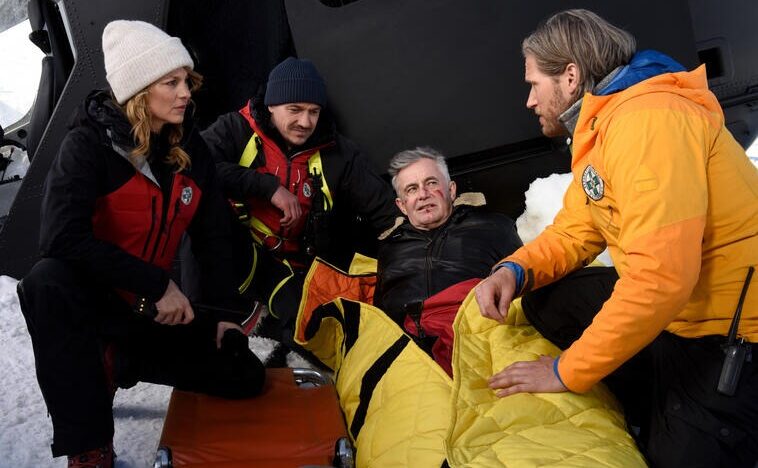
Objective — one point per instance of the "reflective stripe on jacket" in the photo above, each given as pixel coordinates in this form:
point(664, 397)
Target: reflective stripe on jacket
point(294, 173)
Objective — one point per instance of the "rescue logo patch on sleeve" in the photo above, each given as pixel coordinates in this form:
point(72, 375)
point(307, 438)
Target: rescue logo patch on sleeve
point(186, 195)
point(307, 192)
point(592, 183)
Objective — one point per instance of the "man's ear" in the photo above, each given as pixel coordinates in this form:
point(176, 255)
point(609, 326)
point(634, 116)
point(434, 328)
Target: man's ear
point(571, 78)
point(270, 109)
point(400, 205)
point(453, 190)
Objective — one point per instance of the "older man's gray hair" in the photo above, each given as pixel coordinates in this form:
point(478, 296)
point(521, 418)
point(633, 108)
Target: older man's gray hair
point(405, 158)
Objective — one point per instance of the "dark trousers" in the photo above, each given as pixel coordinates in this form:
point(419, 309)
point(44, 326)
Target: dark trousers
point(72, 321)
point(668, 390)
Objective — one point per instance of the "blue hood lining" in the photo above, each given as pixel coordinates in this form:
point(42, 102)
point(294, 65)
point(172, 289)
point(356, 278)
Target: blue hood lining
point(644, 64)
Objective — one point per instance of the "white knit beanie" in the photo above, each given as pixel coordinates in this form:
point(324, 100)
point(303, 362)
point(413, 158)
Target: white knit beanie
point(137, 54)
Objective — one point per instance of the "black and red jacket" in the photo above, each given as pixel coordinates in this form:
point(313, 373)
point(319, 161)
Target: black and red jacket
point(292, 172)
point(356, 188)
point(123, 226)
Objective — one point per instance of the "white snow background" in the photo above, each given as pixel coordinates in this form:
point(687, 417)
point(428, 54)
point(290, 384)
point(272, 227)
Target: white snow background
point(25, 429)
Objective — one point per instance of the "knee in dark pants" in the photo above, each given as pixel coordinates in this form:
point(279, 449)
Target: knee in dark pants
point(561, 311)
point(239, 373)
point(48, 272)
point(32, 284)
point(50, 285)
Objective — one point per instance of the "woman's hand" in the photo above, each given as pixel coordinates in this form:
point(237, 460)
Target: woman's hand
point(174, 307)
point(222, 327)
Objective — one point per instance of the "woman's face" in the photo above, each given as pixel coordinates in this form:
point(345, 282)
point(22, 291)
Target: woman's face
point(167, 99)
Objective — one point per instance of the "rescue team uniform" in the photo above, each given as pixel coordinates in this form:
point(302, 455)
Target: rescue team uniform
point(109, 234)
point(414, 265)
point(333, 183)
point(660, 180)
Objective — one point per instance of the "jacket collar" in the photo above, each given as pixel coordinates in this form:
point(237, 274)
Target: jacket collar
point(102, 114)
point(643, 65)
point(463, 203)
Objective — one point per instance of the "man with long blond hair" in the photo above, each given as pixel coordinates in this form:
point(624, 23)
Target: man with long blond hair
point(130, 179)
point(661, 182)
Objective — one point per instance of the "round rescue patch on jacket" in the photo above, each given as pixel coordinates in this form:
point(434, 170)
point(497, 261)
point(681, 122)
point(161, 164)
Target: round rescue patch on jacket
point(187, 195)
point(307, 192)
point(592, 183)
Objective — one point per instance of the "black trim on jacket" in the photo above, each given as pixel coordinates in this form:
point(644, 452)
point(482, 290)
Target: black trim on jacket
point(88, 168)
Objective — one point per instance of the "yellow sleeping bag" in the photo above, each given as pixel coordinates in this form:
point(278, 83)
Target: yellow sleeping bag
point(402, 409)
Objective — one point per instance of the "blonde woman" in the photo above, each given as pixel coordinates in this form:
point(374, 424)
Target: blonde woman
point(130, 179)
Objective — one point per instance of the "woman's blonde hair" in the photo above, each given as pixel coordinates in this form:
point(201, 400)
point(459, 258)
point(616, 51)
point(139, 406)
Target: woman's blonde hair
point(138, 115)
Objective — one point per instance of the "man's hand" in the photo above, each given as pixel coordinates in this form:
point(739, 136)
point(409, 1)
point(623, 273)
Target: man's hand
point(495, 294)
point(222, 327)
point(174, 307)
point(289, 204)
point(532, 377)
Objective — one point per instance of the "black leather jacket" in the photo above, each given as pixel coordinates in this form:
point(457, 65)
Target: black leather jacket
point(415, 264)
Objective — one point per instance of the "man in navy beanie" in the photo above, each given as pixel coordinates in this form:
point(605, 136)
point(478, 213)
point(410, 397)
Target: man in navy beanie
point(299, 184)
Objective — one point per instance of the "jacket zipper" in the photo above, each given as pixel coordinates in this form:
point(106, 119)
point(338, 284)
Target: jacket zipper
point(289, 169)
point(287, 186)
point(170, 226)
point(152, 226)
point(429, 247)
point(436, 241)
point(164, 214)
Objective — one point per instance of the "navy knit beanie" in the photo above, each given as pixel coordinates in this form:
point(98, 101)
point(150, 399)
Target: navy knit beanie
point(295, 80)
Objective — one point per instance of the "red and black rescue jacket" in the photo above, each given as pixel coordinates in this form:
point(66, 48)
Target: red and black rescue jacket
point(356, 190)
point(122, 225)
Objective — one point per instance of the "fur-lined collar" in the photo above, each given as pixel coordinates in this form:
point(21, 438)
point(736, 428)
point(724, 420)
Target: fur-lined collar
point(473, 199)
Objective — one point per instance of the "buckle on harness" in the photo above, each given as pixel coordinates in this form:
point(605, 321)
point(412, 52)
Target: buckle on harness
point(277, 244)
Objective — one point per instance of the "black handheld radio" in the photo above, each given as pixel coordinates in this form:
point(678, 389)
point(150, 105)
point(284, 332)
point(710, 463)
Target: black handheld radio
point(736, 351)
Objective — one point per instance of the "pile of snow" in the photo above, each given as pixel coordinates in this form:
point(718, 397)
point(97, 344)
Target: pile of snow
point(544, 199)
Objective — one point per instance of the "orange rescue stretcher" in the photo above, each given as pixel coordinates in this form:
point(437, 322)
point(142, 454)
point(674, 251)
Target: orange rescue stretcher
point(296, 421)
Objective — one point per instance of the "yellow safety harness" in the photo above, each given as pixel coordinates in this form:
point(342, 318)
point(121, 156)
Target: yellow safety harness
point(249, 154)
